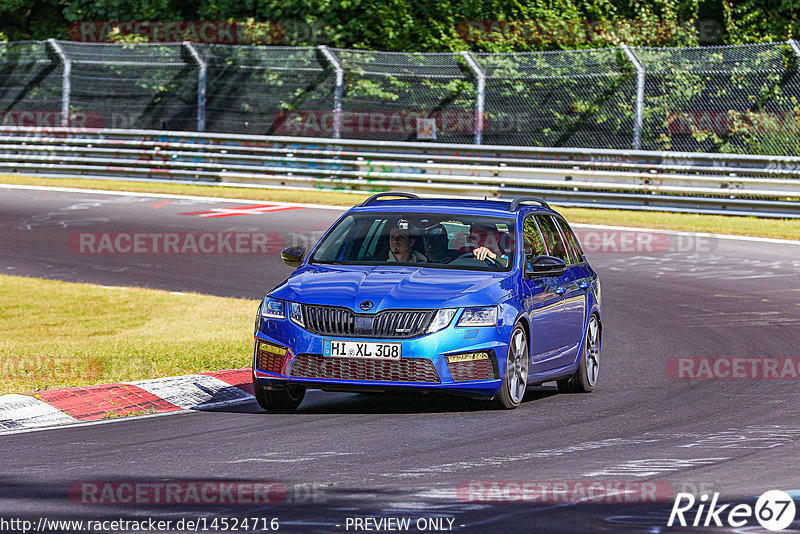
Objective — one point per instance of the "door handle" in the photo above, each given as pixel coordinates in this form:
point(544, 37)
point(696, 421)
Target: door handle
point(584, 285)
point(561, 290)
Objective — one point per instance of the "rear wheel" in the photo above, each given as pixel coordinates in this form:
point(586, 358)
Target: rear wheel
point(280, 400)
point(516, 377)
point(585, 378)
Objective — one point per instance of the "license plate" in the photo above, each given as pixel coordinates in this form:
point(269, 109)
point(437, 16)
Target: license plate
point(359, 349)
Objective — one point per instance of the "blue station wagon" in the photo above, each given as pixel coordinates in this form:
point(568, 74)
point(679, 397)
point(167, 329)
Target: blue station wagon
point(479, 298)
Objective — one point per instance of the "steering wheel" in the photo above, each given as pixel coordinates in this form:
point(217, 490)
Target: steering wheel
point(491, 261)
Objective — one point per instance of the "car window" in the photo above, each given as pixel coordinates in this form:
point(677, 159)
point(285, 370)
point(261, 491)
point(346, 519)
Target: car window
point(372, 240)
point(575, 249)
point(534, 243)
point(552, 238)
point(367, 238)
point(330, 248)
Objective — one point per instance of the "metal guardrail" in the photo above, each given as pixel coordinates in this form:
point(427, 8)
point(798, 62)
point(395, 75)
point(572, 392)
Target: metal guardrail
point(673, 181)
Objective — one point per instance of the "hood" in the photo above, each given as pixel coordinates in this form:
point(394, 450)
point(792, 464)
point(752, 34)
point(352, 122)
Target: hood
point(392, 287)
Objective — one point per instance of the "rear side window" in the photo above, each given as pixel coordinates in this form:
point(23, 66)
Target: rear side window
point(575, 247)
point(534, 244)
point(552, 238)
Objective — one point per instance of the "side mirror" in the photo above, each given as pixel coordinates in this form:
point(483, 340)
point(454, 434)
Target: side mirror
point(293, 256)
point(545, 266)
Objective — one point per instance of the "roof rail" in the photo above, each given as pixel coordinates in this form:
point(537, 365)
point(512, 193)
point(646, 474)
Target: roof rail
point(375, 197)
point(519, 200)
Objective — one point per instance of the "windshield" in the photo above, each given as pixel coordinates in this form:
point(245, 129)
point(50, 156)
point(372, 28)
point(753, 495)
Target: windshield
point(437, 240)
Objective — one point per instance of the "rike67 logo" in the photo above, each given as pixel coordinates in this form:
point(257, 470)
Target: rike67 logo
point(774, 510)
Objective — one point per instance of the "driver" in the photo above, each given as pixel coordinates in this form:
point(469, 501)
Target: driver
point(486, 240)
point(400, 247)
point(437, 245)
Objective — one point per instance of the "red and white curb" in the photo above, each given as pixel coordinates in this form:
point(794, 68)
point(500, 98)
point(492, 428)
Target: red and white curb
point(62, 406)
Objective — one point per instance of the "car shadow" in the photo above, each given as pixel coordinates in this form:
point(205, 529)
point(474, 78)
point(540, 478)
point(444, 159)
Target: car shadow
point(393, 402)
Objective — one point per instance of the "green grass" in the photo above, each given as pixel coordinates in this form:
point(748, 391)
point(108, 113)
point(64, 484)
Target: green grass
point(719, 224)
point(58, 334)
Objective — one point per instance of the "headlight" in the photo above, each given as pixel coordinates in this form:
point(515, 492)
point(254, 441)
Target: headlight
point(296, 313)
point(486, 316)
point(272, 308)
point(442, 319)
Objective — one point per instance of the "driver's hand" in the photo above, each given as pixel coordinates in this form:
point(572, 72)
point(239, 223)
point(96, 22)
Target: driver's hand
point(482, 252)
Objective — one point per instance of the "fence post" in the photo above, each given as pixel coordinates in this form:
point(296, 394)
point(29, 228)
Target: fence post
point(795, 47)
point(66, 81)
point(480, 94)
point(637, 126)
point(202, 78)
point(337, 91)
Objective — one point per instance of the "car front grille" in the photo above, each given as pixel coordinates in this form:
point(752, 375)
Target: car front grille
point(471, 370)
point(399, 370)
point(397, 324)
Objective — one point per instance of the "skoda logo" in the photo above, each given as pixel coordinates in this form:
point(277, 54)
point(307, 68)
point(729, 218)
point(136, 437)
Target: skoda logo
point(366, 305)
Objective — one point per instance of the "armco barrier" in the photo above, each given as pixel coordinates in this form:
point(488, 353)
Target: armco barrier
point(673, 181)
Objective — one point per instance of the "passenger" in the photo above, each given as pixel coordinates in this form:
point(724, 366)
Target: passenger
point(486, 240)
point(437, 245)
point(400, 247)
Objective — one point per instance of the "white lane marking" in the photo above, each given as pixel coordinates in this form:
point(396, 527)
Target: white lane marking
point(695, 265)
point(750, 438)
point(690, 234)
point(651, 467)
point(343, 208)
point(165, 195)
point(94, 423)
point(501, 460)
point(280, 457)
point(197, 392)
point(24, 411)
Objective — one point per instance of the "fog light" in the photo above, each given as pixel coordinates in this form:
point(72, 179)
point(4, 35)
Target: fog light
point(471, 366)
point(468, 357)
point(272, 349)
point(271, 358)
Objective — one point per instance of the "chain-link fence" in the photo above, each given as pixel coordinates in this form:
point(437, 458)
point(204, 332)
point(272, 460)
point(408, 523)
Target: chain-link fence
point(386, 92)
point(733, 99)
point(31, 77)
point(576, 98)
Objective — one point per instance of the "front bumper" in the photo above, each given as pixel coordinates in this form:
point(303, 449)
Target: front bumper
point(423, 364)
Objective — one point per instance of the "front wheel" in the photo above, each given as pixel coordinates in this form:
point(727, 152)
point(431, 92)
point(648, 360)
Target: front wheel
point(585, 378)
point(280, 400)
point(516, 377)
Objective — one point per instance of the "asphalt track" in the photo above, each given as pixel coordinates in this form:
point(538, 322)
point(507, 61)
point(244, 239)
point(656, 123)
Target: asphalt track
point(400, 456)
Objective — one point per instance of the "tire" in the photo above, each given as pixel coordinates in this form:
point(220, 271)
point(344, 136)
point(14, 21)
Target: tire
point(585, 378)
point(516, 376)
point(280, 400)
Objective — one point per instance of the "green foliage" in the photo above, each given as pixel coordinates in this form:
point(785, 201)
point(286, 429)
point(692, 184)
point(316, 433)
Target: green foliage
point(749, 21)
point(444, 25)
point(411, 25)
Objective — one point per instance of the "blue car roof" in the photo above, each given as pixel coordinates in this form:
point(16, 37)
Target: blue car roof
point(498, 208)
